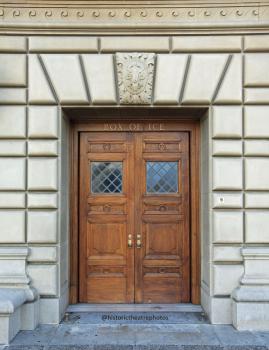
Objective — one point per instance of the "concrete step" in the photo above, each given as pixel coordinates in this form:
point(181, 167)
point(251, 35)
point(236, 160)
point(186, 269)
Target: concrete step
point(72, 335)
point(136, 317)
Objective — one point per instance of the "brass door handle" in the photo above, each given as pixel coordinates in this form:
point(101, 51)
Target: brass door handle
point(130, 241)
point(138, 241)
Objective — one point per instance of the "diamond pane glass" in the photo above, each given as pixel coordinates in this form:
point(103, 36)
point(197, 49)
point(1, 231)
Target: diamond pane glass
point(162, 177)
point(106, 177)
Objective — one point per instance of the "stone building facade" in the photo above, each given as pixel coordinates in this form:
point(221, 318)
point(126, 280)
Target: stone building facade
point(61, 61)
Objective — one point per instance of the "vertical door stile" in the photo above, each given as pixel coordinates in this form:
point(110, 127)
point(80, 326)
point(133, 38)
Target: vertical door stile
point(186, 222)
point(83, 195)
point(138, 216)
point(130, 177)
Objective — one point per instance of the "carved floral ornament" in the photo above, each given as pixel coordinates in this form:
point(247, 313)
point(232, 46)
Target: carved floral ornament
point(135, 77)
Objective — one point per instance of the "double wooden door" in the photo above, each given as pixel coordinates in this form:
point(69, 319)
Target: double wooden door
point(134, 242)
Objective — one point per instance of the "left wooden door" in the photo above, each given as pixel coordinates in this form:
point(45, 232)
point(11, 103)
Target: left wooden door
point(106, 200)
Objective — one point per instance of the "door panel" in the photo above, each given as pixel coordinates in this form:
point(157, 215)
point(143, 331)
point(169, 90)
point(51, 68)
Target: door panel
point(106, 201)
point(162, 200)
point(134, 217)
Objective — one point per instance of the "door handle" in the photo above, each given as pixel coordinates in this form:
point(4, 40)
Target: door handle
point(130, 241)
point(138, 241)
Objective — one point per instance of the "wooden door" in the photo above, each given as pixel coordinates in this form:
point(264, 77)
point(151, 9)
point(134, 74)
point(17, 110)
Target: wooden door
point(134, 217)
point(106, 218)
point(162, 218)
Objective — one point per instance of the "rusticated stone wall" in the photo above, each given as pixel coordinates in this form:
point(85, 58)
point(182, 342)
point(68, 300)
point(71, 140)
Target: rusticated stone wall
point(227, 74)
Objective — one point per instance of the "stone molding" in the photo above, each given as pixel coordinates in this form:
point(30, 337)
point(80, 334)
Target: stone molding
point(254, 284)
point(13, 267)
point(250, 301)
point(130, 16)
point(256, 266)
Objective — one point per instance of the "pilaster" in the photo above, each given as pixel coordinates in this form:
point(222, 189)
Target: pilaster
point(250, 301)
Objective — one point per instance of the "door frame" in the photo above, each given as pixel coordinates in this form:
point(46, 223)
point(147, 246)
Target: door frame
point(191, 126)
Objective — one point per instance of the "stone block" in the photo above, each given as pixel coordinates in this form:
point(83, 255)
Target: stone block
point(42, 200)
point(12, 148)
point(208, 67)
point(39, 90)
point(171, 69)
point(44, 278)
point(42, 174)
point(42, 254)
point(227, 148)
point(227, 254)
point(15, 200)
point(256, 200)
point(12, 174)
point(50, 311)
point(227, 200)
point(256, 148)
point(206, 43)
point(43, 122)
point(227, 226)
point(256, 96)
point(9, 325)
point(12, 226)
point(66, 76)
point(221, 311)
point(256, 43)
point(12, 121)
point(230, 90)
point(227, 122)
point(256, 122)
point(12, 96)
point(99, 70)
point(227, 174)
point(226, 278)
point(12, 43)
point(63, 44)
point(256, 174)
point(42, 226)
point(12, 70)
point(42, 148)
point(251, 316)
point(257, 70)
point(257, 226)
point(30, 315)
point(134, 43)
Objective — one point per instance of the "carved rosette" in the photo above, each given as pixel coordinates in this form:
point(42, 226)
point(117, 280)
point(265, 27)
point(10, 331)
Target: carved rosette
point(135, 77)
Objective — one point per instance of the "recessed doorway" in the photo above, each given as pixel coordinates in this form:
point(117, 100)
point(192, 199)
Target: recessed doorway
point(135, 240)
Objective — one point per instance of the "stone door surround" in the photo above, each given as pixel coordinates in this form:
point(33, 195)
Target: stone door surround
point(228, 75)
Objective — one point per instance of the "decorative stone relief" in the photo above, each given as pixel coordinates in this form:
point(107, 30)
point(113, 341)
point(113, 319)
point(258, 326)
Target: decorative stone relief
point(135, 77)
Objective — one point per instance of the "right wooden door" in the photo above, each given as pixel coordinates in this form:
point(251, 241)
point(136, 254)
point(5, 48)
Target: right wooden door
point(162, 253)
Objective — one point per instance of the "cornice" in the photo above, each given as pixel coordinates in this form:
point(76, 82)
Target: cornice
point(110, 17)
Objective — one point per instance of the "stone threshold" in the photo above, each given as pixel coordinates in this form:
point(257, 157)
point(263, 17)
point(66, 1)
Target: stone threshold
point(134, 308)
point(136, 347)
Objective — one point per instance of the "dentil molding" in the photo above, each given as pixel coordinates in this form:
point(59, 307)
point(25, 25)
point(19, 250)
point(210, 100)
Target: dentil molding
point(151, 16)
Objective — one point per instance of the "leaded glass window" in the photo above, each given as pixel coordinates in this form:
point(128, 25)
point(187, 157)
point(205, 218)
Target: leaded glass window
point(106, 177)
point(162, 177)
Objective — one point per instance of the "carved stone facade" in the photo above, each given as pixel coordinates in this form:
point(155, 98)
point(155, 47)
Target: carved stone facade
point(135, 77)
point(97, 56)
